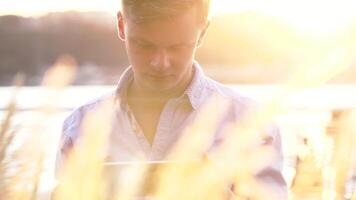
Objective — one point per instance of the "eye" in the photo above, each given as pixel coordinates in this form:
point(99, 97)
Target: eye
point(181, 46)
point(175, 48)
point(142, 45)
point(178, 47)
point(145, 45)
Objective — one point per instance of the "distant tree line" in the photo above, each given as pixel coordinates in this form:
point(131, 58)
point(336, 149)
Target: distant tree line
point(258, 47)
point(31, 45)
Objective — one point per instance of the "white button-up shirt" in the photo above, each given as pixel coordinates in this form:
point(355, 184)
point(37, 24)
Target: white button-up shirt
point(128, 143)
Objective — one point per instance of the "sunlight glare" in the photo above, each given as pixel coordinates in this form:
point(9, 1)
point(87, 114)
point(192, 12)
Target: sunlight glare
point(306, 15)
point(315, 16)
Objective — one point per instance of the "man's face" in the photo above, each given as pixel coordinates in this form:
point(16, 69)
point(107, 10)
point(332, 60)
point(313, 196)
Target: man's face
point(161, 52)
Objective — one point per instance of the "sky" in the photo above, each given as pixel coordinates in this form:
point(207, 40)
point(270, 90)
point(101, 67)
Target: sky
point(313, 15)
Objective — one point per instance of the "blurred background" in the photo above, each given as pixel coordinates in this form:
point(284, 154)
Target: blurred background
point(301, 51)
point(249, 41)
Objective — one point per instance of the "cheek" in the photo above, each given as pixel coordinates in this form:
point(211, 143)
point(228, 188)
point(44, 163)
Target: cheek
point(137, 56)
point(185, 57)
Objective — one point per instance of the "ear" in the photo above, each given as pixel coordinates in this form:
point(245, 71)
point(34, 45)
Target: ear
point(121, 26)
point(203, 34)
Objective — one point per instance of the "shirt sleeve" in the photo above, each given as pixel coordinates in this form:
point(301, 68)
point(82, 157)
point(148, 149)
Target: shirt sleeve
point(270, 176)
point(266, 172)
point(70, 132)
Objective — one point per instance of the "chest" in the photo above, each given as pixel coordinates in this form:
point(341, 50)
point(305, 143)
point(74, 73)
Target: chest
point(147, 118)
point(157, 121)
point(149, 132)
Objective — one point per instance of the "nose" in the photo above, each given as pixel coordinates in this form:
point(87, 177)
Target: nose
point(161, 60)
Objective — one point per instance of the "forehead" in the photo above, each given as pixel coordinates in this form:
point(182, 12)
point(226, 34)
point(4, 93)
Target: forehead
point(178, 29)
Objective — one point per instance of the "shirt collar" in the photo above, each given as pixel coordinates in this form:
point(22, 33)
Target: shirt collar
point(122, 85)
point(194, 91)
point(196, 87)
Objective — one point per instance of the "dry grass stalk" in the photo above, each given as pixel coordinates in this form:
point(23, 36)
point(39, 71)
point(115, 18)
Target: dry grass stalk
point(22, 156)
point(82, 176)
point(7, 135)
point(208, 178)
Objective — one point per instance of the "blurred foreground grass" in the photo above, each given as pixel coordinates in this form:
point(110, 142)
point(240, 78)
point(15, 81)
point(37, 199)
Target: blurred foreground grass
point(21, 163)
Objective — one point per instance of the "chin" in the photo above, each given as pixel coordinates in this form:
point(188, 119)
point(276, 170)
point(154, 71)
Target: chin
point(161, 88)
point(159, 84)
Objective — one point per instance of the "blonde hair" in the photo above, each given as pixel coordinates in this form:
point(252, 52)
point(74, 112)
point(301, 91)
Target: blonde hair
point(141, 11)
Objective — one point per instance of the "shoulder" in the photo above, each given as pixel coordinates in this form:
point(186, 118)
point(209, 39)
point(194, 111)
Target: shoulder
point(71, 124)
point(240, 103)
point(243, 108)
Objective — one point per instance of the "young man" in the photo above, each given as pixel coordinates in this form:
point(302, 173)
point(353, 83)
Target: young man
point(164, 88)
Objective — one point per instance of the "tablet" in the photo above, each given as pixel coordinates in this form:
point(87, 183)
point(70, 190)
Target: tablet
point(116, 173)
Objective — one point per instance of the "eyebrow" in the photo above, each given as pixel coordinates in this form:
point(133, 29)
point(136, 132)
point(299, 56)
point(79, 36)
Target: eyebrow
point(139, 40)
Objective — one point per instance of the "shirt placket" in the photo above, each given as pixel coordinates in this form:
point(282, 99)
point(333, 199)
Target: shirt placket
point(137, 131)
point(163, 133)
